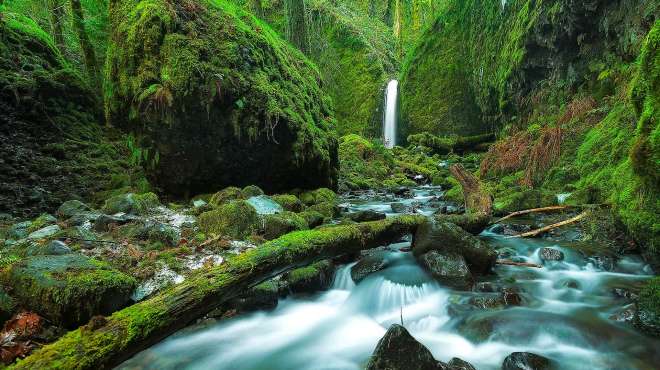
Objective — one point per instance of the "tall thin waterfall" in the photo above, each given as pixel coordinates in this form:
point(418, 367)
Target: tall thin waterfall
point(389, 124)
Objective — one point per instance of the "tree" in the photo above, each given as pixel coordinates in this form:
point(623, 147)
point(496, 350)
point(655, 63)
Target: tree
point(297, 31)
point(88, 53)
point(56, 19)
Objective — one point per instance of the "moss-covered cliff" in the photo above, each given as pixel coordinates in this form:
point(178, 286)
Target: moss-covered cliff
point(217, 98)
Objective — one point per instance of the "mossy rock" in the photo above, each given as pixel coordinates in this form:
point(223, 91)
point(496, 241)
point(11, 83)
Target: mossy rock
point(71, 208)
point(238, 81)
point(69, 289)
point(237, 219)
point(474, 223)
point(313, 218)
point(42, 221)
point(318, 196)
point(251, 191)
point(260, 297)
point(140, 204)
point(276, 225)
point(289, 202)
point(327, 209)
point(647, 316)
point(309, 279)
point(226, 195)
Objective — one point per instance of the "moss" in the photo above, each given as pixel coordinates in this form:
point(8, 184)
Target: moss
point(7, 306)
point(236, 219)
point(647, 317)
point(289, 202)
point(322, 195)
point(327, 209)
point(310, 278)
point(520, 199)
point(251, 191)
point(283, 223)
point(145, 203)
point(69, 289)
point(40, 222)
point(225, 195)
point(312, 218)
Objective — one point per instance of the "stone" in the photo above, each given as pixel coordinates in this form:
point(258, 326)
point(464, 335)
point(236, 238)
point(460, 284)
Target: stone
point(236, 219)
point(446, 237)
point(526, 361)
point(160, 232)
point(368, 215)
point(260, 297)
point(449, 269)
point(19, 230)
point(45, 232)
point(104, 222)
point(551, 254)
point(69, 289)
point(71, 208)
point(264, 205)
point(313, 278)
point(56, 248)
point(399, 208)
point(369, 264)
point(458, 364)
point(474, 223)
point(276, 225)
point(398, 350)
point(647, 315)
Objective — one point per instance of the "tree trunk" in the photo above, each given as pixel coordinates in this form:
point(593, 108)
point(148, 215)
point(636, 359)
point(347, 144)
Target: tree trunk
point(477, 199)
point(297, 31)
point(56, 19)
point(89, 56)
point(106, 342)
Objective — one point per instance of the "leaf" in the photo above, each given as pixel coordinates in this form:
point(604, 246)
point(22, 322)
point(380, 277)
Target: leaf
point(24, 324)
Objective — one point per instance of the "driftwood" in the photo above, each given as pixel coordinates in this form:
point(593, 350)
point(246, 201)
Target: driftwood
point(533, 210)
point(477, 199)
point(520, 264)
point(143, 324)
point(533, 233)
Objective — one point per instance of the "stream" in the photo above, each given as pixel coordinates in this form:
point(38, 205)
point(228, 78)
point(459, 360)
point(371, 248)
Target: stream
point(564, 314)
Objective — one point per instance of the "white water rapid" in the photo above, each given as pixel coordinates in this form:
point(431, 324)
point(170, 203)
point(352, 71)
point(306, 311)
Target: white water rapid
point(389, 124)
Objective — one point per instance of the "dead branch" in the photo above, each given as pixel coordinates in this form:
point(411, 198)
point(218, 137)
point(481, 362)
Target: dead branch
point(544, 229)
point(533, 210)
point(520, 264)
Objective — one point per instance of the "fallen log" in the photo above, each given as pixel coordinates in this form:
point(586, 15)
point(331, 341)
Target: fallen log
point(544, 229)
point(520, 264)
point(533, 210)
point(477, 199)
point(126, 332)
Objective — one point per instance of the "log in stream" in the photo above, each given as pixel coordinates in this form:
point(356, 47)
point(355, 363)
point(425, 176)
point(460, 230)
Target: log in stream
point(106, 342)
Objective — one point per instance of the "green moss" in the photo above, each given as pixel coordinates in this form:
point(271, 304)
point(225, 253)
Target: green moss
point(322, 195)
point(225, 195)
point(7, 306)
point(43, 220)
point(648, 307)
point(236, 219)
point(282, 223)
point(289, 202)
point(312, 218)
point(251, 191)
point(327, 209)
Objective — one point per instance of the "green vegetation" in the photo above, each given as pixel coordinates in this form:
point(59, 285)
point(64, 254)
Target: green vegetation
point(236, 219)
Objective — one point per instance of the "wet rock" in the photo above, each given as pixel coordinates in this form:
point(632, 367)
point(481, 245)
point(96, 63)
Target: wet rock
point(57, 248)
point(104, 222)
point(289, 202)
point(398, 350)
point(368, 215)
point(458, 364)
point(309, 279)
point(236, 219)
point(312, 218)
point(449, 269)
point(551, 254)
point(625, 314)
point(19, 230)
point(82, 218)
point(260, 297)
point(625, 294)
point(162, 278)
point(69, 289)
point(139, 204)
point(647, 316)
point(264, 205)
point(605, 263)
point(401, 191)
point(510, 229)
point(505, 298)
point(399, 208)
point(369, 264)
point(446, 237)
point(474, 223)
point(45, 232)
point(526, 361)
point(71, 208)
point(159, 232)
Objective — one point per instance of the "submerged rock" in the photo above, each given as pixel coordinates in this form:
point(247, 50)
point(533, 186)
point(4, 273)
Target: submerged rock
point(369, 264)
point(551, 254)
point(449, 269)
point(447, 238)
point(526, 361)
point(398, 350)
point(69, 289)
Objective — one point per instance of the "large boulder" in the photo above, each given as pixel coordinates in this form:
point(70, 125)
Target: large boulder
point(398, 350)
point(69, 289)
point(237, 219)
point(447, 238)
point(449, 269)
point(369, 264)
point(474, 223)
point(526, 361)
point(217, 98)
point(309, 279)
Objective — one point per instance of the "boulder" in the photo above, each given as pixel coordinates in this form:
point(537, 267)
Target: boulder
point(45, 232)
point(139, 204)
point(53, 248)
point(105, 222)
point(69, 289)
point(526, 361)
point(458, 364)
point(551, 254)
point(19, 230)
point(226, 195)
point(368, 215)
point(400, 208)
point(264, 205)
point(315, 277)
point(237, 219)
point(318, 196)
point(276, 225)
point(327, 209)
point(260, 297)
point(398, 350)
point(289, 202)
point(251, 191)
point(446, 237)
point(232, 104)
point(160, 232)
point(313, 218)
point(449, 269)
point(71, 208)
point(368, 264)
point(474, 223)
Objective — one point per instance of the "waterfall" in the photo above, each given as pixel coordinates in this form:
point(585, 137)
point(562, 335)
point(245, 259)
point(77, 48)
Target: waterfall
point(389, 124)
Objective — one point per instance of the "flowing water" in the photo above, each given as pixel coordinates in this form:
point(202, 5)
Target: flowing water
point(565, 315)
point(389, 123)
